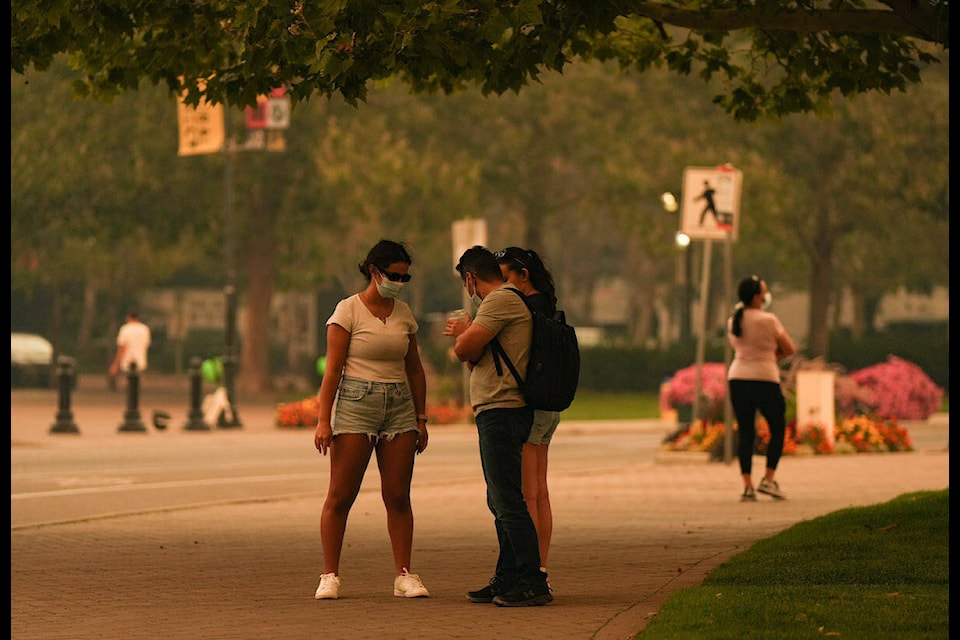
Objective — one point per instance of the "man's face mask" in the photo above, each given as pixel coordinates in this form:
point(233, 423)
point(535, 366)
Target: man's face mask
point(474, 298)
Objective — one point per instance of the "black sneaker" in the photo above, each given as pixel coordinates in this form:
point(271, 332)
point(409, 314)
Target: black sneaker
point(487, 594)
point(524, 597)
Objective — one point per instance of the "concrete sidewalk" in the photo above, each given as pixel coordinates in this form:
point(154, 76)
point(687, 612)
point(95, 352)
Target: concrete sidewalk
point(626, 535)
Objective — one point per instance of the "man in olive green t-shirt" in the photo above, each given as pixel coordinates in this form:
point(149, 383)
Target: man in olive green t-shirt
point(503, 424)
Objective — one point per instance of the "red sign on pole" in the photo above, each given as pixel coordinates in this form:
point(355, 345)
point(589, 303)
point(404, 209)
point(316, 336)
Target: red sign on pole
point(271, 112)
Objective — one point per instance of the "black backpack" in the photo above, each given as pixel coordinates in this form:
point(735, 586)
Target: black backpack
point(553, 371)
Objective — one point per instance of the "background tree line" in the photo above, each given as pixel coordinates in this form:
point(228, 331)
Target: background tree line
point(103, 208)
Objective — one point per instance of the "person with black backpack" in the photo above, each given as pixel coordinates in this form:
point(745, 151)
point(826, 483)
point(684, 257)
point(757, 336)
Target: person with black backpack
point(524, 269)
point(503, 421)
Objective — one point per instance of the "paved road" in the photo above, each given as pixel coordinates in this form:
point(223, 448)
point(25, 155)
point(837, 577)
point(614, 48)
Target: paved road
point(179, 534)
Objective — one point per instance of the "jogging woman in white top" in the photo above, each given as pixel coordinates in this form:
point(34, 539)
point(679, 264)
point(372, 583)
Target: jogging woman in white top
point(759, 342)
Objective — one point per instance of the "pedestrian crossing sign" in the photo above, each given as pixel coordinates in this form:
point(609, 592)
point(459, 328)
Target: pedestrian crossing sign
point(710, 207)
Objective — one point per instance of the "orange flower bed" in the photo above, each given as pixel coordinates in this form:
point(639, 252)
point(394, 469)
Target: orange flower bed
point(303, 414)
point(858, 434)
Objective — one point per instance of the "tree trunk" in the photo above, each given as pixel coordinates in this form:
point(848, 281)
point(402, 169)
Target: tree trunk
point(871, 307)
point(859, 314)
point(254, 375)
point(85, 333)
point(821, 284)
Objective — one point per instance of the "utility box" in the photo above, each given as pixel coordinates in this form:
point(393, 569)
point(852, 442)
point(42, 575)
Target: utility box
point(815, 401)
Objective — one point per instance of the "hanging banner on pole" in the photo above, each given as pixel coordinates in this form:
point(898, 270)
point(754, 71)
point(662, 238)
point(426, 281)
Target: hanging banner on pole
point(201, 128)
point(710, 206)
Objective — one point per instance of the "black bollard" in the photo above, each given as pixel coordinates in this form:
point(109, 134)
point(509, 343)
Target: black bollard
point(195, 421)
point(229, 381)
point(65, 376)
point(230, 360)
point(131, 418)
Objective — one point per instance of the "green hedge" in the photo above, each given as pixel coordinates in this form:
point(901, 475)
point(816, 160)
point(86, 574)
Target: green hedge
point(635, 368)
point(927, 346)
point(608, 368)
point(639, 369)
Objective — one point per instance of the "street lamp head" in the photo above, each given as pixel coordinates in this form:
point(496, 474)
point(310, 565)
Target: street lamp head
point(669, 201)
point(682, 239)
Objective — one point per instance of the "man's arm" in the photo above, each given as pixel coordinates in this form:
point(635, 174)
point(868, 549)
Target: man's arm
point(470, 344)
point(115, 367)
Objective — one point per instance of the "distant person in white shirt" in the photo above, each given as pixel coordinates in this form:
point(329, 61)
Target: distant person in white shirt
point(133, 340)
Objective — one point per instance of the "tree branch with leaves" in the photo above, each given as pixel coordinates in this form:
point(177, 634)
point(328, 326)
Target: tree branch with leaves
point(776, 57)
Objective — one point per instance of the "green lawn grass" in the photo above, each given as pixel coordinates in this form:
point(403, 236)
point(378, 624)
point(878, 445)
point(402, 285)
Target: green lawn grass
point(592, 405)
point(881, 571)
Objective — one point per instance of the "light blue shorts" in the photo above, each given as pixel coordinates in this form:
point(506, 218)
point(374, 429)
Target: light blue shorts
point(544, 424)
point(376, 409)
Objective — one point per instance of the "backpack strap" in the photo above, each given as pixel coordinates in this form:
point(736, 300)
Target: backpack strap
point(499, 352)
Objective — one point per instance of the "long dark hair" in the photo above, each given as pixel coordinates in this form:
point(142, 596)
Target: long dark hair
point(382, 255)
point(749, 287)
point(518, 259)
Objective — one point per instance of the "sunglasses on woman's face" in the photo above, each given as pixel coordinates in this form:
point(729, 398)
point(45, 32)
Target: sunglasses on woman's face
point(396, 277)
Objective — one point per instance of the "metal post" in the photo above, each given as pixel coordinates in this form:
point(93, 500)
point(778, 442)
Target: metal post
point(687, 286)
point(702, 337)
point(229, 356)
point(230, 363)
point(465, 380)
point(195, 421)
point(131, 418)
point(65, 378)
point(728, 351)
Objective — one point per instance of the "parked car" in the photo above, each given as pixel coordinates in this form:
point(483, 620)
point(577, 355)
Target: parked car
point(31, 360)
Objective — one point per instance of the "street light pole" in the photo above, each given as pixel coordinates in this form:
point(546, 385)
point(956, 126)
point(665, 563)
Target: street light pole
point(685, 331)
point(683, 241)
point(230, 420)
point(671, 205)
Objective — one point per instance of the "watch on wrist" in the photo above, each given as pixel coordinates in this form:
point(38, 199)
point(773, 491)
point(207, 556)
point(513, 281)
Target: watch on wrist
point(421, 416)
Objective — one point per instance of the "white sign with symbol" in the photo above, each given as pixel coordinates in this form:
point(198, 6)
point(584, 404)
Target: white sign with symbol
point(710, 206)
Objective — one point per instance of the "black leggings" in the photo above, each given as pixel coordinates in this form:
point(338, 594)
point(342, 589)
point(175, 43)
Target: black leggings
point(748, 397)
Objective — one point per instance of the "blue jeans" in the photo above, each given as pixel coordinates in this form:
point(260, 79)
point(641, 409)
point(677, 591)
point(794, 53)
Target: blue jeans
point(502, 433)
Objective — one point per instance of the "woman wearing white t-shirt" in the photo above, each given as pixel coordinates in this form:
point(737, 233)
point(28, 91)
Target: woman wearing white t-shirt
point(759, 342)
point(372, 398)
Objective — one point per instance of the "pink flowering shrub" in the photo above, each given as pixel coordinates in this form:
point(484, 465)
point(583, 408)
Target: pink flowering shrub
point(851, 398)
point(713, 386)
point(901, 390)
point(869, 404)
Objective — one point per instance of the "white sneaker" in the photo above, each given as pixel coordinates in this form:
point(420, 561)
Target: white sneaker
point(771, 488)
point(408, 585)
point(329, 588)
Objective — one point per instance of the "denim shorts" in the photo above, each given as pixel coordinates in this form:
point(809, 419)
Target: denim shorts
point(544, 424)
point(376, 409)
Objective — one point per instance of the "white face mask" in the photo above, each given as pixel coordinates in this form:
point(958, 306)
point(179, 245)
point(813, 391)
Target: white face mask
point(767, 300)
point(388, 288)
point(474, 298)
